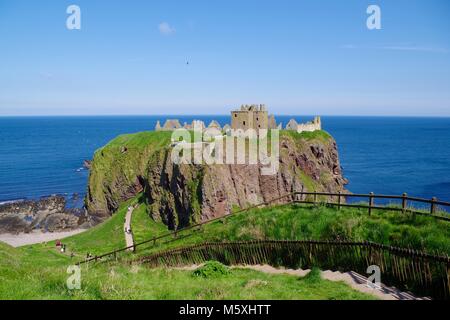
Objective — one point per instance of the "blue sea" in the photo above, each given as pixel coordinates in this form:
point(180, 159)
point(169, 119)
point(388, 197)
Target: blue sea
point(40, 156)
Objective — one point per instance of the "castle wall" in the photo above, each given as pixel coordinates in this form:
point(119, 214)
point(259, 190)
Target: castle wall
point(241, 120)
point(316, 124)
point(260, 120)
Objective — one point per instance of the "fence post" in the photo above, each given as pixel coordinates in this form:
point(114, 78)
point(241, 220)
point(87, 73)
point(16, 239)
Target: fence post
point(315, 198)
point(404, 202)
point(370, 202)
point(339, 201)
point(433, 205)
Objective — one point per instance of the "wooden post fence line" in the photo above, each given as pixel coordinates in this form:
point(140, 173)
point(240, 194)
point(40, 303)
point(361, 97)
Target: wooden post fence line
point(420, 273)
point(292, 198)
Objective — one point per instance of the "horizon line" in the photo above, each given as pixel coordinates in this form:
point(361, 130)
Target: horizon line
point(217, 114)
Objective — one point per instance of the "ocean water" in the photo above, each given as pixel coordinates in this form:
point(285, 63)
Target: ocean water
point(40, 156)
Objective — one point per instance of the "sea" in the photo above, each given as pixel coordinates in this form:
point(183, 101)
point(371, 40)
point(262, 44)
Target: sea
point(41, 156)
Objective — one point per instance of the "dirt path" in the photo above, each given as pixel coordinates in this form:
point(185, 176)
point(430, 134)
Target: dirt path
point(127, 229)
point(353, 279)
point(23, 239)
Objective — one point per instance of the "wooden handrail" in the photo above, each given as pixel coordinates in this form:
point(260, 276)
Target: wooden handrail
point(401, 267)
point(293, 195)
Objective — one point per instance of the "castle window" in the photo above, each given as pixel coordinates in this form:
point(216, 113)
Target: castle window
point(235, 115)
point(257, 119)
point(243, 123)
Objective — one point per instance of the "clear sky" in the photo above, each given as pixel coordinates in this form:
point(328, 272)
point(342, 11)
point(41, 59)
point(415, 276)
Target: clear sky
point(298, 57)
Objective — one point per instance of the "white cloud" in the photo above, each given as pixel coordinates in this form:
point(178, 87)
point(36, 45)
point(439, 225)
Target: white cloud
point(165, 29)
point(416, 48)
point(398, 48)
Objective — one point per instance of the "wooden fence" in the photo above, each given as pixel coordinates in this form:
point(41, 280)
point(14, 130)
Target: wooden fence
point(422, 274)
point(330, 199)
point(339, 200)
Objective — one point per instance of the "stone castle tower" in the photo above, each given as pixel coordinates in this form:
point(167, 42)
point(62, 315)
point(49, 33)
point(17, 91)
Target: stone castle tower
point(250, 117)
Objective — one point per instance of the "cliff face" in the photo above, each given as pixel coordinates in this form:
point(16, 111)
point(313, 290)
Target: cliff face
point(180, 194)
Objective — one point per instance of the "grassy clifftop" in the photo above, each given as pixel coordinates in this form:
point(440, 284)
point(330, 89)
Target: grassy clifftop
point(117, 166)
point(178, 194)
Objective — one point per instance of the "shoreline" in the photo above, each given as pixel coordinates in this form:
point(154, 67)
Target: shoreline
point(35, 237)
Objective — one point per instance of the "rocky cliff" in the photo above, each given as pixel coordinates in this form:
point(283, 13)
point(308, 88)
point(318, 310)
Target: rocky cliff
point(47, 214)
point(181, 194)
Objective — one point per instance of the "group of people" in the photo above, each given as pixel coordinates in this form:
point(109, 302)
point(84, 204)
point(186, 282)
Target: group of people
point(63, 248)
point(61, 245)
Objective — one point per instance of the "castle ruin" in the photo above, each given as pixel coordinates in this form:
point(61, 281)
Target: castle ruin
point(253, 116)
point(250, 117)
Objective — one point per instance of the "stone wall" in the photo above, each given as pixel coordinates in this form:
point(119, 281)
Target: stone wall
point(314, 125)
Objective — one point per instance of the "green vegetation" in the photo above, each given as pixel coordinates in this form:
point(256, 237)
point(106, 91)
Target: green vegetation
point(129, 153)
point(40, 271)
point(35, 274)
point(195, 192)
point(321, 135)
point(211, 269)
point(32, 273)
point(301, 222)
point(145, 227)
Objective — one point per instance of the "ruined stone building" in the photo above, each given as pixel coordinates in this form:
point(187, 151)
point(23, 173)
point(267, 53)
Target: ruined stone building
point(250, 117)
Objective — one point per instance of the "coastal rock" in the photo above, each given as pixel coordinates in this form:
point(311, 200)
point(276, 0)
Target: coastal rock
point(47, 214)
point(87, 164)
point(181, 194)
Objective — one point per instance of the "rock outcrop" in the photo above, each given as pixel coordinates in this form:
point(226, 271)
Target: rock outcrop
point(47, 214)
point(179, 194)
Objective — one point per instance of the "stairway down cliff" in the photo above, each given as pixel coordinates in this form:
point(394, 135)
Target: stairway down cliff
point(180, 194)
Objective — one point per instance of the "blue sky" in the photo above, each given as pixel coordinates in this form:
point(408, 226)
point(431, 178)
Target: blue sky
point(298, 57)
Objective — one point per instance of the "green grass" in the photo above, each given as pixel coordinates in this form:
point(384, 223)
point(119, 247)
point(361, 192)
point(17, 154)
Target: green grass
point(314, 135)
point(300, 222)
point(26, 276)
point(105, 237)
point(145, 227)
point(39, 271)
point(211, 269)
point(121, 161)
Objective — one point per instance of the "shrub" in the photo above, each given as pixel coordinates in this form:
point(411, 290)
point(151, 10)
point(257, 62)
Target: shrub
point(211, 269)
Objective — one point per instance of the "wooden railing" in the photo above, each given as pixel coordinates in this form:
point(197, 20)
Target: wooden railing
point(370, 206)
point(332, 199)
point(407, 269)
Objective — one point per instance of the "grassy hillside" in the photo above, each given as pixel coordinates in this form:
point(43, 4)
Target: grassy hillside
point(143, 226)
point(300, 222)
point(28, 281)
point(39, 271)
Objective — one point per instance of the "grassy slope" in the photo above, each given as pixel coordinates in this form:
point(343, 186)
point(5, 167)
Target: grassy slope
point(35, 273)
point(322, 223)
point(26, 276)
point(39, 272)
point(143, 226)
point(132, 163)
point(105, 237)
